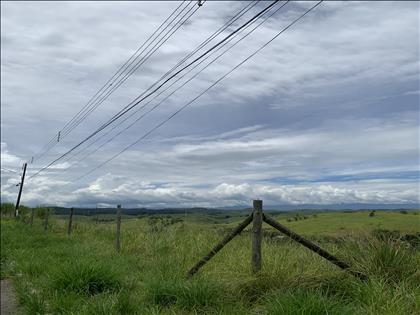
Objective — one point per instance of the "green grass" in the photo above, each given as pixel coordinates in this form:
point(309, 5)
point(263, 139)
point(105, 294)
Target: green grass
point(344, 223)
point(82, 274)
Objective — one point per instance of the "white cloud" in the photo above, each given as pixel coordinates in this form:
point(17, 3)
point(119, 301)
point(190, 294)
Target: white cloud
point(322, 166)
point(8, 159)
point(336, 95)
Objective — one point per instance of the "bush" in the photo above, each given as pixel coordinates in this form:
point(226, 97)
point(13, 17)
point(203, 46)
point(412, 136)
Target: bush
point(7, 209)
point(40, 212)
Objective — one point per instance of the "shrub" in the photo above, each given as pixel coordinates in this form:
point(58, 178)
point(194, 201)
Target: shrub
point(40, 212)
point(412, 239)
point(7, 208)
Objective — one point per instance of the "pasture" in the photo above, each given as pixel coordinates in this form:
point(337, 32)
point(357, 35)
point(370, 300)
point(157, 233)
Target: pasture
point(83, 274)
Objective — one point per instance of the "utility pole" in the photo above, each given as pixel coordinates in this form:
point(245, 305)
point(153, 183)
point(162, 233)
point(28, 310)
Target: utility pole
point(20, 190)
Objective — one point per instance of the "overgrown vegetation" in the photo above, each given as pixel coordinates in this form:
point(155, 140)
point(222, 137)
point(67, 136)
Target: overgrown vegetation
point(82, 274)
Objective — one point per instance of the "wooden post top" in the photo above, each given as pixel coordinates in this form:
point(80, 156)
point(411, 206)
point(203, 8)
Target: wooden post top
point(119, 206)
point(257, 205)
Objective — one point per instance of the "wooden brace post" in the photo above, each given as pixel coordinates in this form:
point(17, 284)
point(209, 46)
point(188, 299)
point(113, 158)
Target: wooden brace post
point(219, 246)
point(312, 246)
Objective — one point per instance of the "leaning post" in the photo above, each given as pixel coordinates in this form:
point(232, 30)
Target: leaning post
point(117, 236)
point(257, 219)
point(70, 221)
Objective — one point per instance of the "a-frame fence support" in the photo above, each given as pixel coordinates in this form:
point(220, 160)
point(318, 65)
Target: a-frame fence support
point(257, 217)
point(220, 245)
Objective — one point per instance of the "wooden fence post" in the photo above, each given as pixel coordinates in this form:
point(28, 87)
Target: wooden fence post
point(117, 236)
point(47, 213)
point(31, 220)
point(70, 221)
point(256, 236)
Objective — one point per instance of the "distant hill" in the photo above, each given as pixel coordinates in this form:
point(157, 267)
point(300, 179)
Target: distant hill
point(303, 207)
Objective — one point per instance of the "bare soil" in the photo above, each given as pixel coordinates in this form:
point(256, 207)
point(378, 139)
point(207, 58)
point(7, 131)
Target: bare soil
point(8, 298)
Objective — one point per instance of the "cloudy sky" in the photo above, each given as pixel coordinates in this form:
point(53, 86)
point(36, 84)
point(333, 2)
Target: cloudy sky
point(327, 113)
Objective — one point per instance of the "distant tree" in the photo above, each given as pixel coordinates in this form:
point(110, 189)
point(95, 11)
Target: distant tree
point(372, 213)
point(404, 212)
point(7, 208)
point(40, 212)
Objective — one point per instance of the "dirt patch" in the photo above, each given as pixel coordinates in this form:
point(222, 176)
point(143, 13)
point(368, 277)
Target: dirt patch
point(8, 299)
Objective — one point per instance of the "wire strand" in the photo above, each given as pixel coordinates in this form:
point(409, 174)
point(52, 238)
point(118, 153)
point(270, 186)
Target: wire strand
point(226, 25)
point(198, 96)
point(178, 88)
point(136, 101)
point(53, 141)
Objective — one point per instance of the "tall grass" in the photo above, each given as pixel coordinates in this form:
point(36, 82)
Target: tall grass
point(82, 274)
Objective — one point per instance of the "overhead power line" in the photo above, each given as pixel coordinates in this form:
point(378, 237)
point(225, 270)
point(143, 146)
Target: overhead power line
point(8, 170)
point(110, 82)
point(82, 114)
point(178, 88)
point(140, 62)
point(201, 94)
point(217, 32)
point(136, 101)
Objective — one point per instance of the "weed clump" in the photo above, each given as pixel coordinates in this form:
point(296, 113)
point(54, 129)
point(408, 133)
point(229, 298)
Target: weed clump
point(389, 259)
point(305, 302)
point(191, 295)
point(86, 279)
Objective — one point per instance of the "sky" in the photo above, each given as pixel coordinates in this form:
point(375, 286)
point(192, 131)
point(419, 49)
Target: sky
point(326, 113)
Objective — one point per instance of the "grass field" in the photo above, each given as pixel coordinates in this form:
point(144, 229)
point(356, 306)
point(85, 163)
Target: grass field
point(82, 274)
